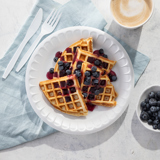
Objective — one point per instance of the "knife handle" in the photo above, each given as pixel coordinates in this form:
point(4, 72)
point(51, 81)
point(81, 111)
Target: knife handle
point(28, 53)
point(15, 57)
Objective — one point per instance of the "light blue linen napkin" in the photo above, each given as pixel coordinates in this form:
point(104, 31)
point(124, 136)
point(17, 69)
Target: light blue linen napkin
point(18, 121)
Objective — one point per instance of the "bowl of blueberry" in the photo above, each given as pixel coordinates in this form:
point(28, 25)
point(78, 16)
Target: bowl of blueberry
point(148, 109)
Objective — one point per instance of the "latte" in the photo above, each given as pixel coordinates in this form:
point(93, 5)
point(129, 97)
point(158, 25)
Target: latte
point(131, 13)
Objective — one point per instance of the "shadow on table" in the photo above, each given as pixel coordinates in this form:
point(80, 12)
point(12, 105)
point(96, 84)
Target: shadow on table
point(129, 38)
point(146, 138)
point(68, 142)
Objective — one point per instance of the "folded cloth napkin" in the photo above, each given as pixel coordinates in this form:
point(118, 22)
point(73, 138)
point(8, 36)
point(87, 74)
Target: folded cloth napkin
point(18, 121)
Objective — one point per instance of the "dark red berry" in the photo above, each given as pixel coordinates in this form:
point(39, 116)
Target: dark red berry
point(90, 106)
point(49, 75)
point(69, 50)
point(58, 54)
point(96, 52)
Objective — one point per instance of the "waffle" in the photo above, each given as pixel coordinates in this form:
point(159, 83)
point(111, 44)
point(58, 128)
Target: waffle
point(68, 55)
point(107, 95)
point(88, 57)
point(65, 95)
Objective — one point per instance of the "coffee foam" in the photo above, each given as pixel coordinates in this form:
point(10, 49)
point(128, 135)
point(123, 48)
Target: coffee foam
point(131, 12)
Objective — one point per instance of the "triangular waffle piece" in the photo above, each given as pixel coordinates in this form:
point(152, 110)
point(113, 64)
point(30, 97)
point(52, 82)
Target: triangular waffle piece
point(65, 95)
point(68, 55)
point(98, 83)
point(100, 62)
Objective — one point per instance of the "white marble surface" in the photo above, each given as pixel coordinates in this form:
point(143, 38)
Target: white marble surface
point(126, 139)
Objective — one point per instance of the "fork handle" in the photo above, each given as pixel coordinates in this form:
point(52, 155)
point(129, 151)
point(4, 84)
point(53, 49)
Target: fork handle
point(29, 53)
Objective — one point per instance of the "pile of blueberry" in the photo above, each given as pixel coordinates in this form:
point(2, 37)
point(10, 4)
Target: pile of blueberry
point(95, 90)
point(64, 67)
point(150, 110)
point(88, 74)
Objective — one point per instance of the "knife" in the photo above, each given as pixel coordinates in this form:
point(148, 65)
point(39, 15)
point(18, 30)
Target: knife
point(31, 31)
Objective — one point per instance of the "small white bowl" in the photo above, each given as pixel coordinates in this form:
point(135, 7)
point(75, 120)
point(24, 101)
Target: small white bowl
point(143, 96)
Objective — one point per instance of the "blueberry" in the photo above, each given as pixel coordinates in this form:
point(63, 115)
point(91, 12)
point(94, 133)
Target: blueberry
point(60, 63)
point(155, 126)
point(72, 89)
point(156, 122)
point(68, 72)
point(144, 116)
point(101, 90)
point(95, 74)
point(113, 78)
point(159, 114)
point(55, 59)
point(70, 82)
point(156, 118)
point(149, 112)
point(86, 83)
point(62, 73)
point(156, 97)
point(67, 65)
point(147, 106)
point(84, 95)
point(61, 68)
point(150, 122)
point(51, 70)
point(147, 100)
point(94, 68)
point(158, 126)
point(158, 94)
point(143, 104)
point(144, 109)
point(155, 114)
point(88, 79)
point(78, 66)
point(153, 109)
point(153, 102)
point(78, 74)
point(91, 97)
point(68, 99)
point(95, 82)
point(157, 108)
point(87, 74)
point(158, 103)
point(97, 62)
point(96, 92)
point(101, 51)
point(105, 56)
point(151, 95)
point(153, 118)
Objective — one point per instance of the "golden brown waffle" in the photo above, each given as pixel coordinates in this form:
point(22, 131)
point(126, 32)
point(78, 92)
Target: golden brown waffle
point(68, 55)
point(65, 95)
point(85, 56)
point(107, 94)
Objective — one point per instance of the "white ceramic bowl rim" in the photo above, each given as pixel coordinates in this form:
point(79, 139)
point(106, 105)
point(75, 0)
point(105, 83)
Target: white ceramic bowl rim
point(153, 3)
point(138, 106)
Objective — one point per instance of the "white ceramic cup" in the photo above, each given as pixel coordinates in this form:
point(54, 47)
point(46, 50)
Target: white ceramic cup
point(134, 26)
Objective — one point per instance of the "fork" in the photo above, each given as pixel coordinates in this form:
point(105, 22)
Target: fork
point(47, 27)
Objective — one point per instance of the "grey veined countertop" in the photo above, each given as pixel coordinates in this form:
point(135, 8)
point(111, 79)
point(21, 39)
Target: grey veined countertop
point(126, 139)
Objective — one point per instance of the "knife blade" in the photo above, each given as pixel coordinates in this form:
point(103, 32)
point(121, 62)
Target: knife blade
point(31, 31)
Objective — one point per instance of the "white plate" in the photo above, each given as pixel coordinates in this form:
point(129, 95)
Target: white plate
point(42, 60)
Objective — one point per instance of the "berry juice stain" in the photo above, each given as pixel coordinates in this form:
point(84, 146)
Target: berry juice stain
point(90, 106)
